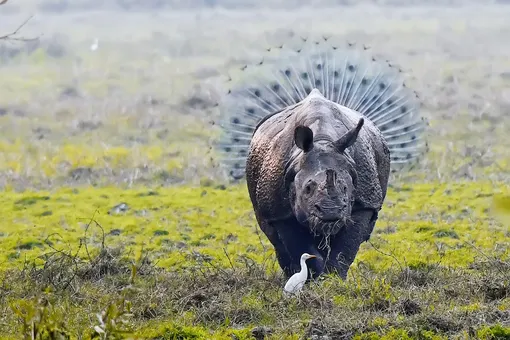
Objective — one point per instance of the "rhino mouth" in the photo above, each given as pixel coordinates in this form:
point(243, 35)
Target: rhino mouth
point(327, 226)
point(327, 220)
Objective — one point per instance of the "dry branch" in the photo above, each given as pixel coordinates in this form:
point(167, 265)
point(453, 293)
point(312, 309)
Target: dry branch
point(11, 36)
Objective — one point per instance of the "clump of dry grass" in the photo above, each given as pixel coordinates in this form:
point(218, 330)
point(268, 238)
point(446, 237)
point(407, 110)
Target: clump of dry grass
point(63, 269)
point(247, 295)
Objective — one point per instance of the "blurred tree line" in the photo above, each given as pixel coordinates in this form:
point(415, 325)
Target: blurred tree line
point(65, 5)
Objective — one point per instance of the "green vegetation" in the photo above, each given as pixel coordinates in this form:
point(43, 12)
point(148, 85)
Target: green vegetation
point(165, 260)
point(421, 224)
point(117, 223)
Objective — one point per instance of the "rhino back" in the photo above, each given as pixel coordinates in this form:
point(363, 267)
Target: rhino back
point(371, 154)
point(270, 149)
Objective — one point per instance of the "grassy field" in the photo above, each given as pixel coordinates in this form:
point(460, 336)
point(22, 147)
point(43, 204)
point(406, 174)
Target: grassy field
point(117, 219)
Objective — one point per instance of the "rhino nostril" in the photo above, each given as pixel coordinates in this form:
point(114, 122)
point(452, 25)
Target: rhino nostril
point(318, 208)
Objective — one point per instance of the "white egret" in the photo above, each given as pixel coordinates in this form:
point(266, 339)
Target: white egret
point(95, 44)
point(296, 281)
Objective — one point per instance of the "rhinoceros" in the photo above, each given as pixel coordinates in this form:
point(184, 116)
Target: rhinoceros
point(316, 136)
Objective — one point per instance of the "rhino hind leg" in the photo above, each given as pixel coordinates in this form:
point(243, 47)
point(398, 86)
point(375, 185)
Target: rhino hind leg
point(345, 245)
point(371, 226)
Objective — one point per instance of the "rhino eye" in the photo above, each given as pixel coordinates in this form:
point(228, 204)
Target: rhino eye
point(308, 188)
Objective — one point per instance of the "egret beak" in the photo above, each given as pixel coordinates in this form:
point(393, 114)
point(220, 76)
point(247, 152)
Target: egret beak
point(312, 256)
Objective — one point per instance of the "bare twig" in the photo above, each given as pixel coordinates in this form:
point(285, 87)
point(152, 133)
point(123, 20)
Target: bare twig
point(500, 265)
point(11, 36)
point(387, 254)
point(228, 258)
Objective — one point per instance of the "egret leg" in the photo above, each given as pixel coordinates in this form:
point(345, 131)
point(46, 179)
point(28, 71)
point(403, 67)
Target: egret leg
point(345, 244)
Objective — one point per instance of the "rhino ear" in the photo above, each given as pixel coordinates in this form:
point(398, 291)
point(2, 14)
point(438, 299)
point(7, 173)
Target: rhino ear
point(349, 138)
point(303, 137)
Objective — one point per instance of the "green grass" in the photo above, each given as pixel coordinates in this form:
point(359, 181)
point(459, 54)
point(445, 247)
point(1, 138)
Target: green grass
point(83, 132)
point(421, 224)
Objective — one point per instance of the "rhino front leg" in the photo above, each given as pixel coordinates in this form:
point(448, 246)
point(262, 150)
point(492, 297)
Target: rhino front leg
point(345, 245)
point(295, 241)
point(282, 256)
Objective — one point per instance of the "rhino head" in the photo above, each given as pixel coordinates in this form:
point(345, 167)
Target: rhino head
point(322, 180)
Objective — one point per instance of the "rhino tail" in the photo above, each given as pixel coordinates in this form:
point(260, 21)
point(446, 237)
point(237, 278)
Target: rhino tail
point(344, 73)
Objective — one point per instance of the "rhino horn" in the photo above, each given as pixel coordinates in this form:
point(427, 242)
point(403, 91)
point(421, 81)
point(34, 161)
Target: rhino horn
point(330, 181)
point(349, 137)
